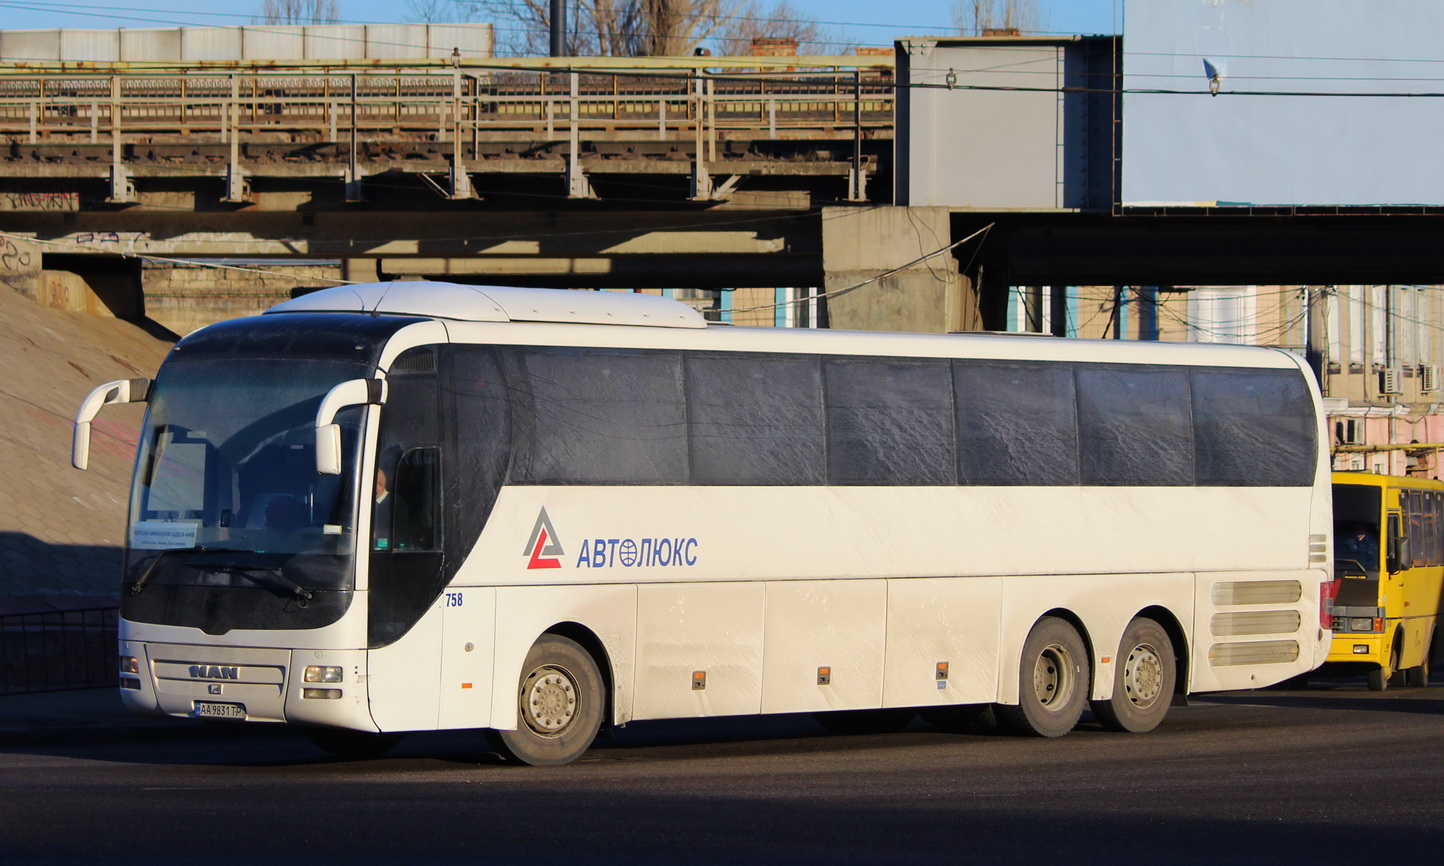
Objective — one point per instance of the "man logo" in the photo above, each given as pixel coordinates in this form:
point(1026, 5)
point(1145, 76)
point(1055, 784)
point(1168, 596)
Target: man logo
point(215, 672)
point(544, 546)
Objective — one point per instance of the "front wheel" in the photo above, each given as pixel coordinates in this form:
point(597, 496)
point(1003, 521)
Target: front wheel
point(559, 705)
point(1052, 682)
point(1379, 679)
point(1144, 675)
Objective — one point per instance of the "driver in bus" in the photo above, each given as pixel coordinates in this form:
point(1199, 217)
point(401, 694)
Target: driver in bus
point(1359, 544)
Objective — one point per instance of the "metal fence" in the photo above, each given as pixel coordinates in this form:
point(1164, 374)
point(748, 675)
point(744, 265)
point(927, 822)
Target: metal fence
point(202, 104)
point(58, 650)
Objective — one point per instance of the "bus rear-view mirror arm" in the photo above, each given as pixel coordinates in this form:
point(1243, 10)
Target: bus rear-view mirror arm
point(109, 394)
point(354, 392)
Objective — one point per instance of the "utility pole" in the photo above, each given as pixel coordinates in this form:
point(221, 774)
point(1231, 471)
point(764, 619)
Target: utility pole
point(559, 28)
point(1317, 348)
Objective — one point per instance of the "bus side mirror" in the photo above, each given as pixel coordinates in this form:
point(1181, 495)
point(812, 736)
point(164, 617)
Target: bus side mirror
point(109, 394)
point(354, 392)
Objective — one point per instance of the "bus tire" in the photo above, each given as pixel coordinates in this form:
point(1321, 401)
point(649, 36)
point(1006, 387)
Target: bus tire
point(1145, 672)
point(1052, 682)
point(1379, 678)
point(1418, 677)
point(559, 705)
point(356, 745)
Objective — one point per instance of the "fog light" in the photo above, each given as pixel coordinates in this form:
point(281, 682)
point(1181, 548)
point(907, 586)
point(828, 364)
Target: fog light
point(323, 674)
point(128, 683)
point(1361, 649)
point(129, 665)
point(321, 694)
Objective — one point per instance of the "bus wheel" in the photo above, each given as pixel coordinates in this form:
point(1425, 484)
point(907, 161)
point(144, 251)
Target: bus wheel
point(1144, 673)
point(1052, 682)
point(352, 744)
point(1380, 677)
point(559, 705)
point(1418, 677)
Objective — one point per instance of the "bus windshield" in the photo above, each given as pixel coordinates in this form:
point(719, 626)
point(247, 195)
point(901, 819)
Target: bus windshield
point(226, 491)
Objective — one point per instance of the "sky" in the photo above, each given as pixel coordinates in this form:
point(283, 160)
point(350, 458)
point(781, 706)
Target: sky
point(861, 22)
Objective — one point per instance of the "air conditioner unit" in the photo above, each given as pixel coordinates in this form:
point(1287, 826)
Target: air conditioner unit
point(1390, 382)
point(1429, 377)
point(1349, 431)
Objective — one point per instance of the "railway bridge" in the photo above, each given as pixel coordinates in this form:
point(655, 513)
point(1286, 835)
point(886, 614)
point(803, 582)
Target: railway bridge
point(917, 190)
point(691, 173)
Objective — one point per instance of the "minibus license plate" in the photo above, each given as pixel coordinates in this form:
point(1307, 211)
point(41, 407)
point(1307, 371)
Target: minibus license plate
point(206, 710)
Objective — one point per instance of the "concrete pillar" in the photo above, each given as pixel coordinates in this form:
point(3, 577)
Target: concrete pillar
point(360, 270)
point(20, 266)
point(101, 285)
point(860, 244)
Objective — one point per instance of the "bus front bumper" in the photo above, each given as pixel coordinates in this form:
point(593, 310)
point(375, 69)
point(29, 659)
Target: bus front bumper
point(246, 684)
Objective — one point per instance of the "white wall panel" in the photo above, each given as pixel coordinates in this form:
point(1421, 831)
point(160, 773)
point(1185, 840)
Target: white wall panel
point(95, 45)
point(1312, 109)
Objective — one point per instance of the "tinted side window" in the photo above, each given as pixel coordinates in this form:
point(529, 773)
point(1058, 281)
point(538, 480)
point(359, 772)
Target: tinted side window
point(1134, 426)
point(756, 419)
point(477, 398)
point(1016, 423)
point(890, 422)
point(1255, 428)
point(602, 416)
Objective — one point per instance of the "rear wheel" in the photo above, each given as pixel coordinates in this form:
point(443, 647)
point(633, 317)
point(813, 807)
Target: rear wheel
point(1144, 675)
point(352, 744)
point(1418, 677)
point(1052, 682)
point(559, 705)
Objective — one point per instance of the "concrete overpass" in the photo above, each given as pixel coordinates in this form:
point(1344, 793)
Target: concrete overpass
point(705, 172)
point(945, 191)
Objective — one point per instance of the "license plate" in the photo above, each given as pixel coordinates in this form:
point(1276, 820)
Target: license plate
point(206, 710)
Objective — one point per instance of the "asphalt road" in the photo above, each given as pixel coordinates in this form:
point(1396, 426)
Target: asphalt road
point(1332, 775)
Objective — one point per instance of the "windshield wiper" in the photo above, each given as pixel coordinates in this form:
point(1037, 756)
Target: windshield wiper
point(270, 574)
point(150, 569)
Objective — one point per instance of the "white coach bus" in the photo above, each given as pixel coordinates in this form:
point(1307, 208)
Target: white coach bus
point(419, 506)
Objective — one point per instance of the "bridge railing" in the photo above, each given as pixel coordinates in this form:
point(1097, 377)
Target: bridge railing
point(114, 105)
point(57, 650)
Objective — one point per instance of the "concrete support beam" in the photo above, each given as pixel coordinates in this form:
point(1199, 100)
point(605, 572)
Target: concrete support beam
point(361, 270)
point(906, 292)
point(20, 266)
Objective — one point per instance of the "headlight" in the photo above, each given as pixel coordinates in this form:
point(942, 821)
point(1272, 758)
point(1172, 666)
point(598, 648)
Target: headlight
point(1361, 623)
point(129, 665)
point(323, 674)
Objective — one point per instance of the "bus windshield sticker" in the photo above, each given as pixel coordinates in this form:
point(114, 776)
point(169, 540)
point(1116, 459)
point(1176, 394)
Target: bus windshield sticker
point(162, 535)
